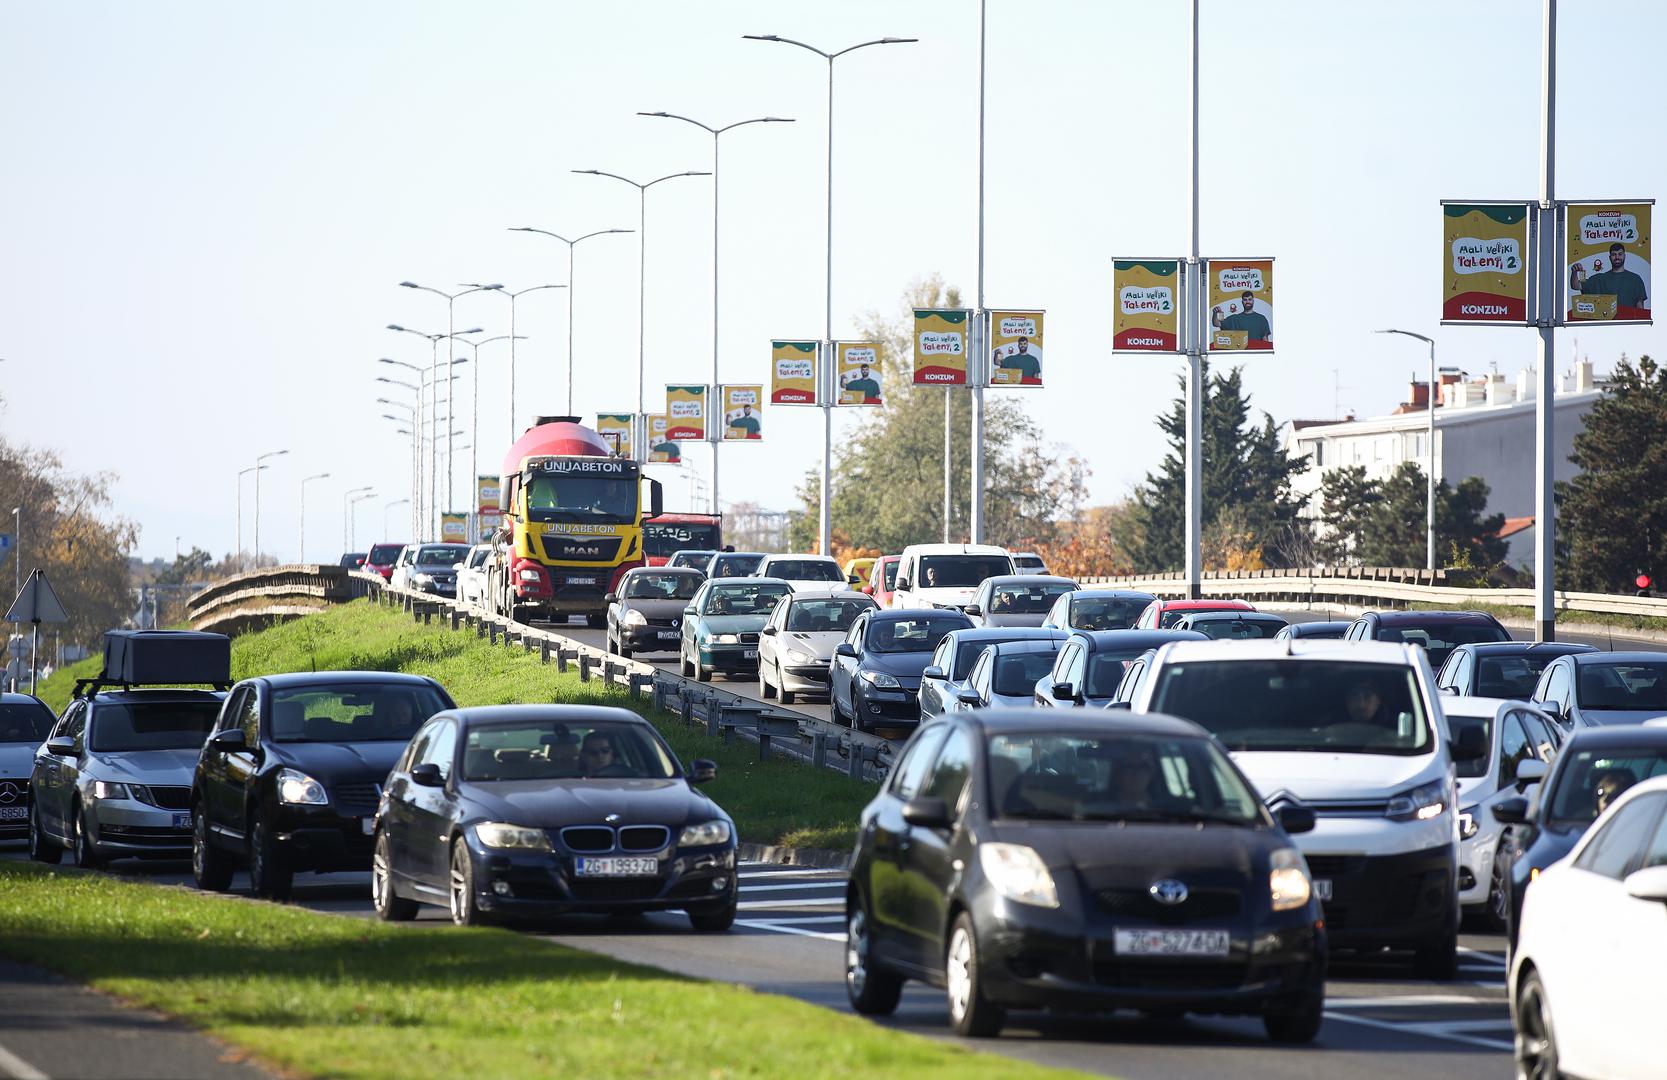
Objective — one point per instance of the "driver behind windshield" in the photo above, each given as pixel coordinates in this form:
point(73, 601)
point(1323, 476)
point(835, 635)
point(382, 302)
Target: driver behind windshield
point(596, 756)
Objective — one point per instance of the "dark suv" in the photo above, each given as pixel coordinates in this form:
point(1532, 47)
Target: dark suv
point(1439, 632)
point(291, 777)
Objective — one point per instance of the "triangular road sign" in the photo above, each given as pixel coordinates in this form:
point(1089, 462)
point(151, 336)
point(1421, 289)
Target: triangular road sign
point(37, 603)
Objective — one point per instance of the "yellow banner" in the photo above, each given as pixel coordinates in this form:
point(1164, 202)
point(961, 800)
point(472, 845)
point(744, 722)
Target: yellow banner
point(1241, 304)
point(793, 373)
point(488, 512)
point(1015, 348)
point(741, 419)
point(615, 429)
point(858, 369)
point(660, 448)
point(686, 412)
point(940, 347)
point(454, 528)
point(1484, 263)
point(1148, 317)
point(1608, 262)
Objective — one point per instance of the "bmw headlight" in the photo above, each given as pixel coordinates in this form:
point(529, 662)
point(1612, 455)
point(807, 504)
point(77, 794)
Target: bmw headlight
point(634, 618)
point(1288, 879)
point(1467, 823)
point(725, 639)
point(797, 657)
point(495, 834)
point(1017, 873)
point(704, 834)
point(880, 678)
point(1422, 803)
point(298, 789)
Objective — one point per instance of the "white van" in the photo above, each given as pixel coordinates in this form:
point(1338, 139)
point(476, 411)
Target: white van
point(1354, 732)
point(946, 575)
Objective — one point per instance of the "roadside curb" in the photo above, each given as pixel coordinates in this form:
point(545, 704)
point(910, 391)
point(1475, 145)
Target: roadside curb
point(818, 858)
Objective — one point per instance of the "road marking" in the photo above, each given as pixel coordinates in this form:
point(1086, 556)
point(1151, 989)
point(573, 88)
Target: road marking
point(812, 902)
point(799, 920)
point(1430, 1031)
point(18, 1069)
point(779, 928)
point(1403, 1002)
point(806, 872)
point(1484, 957)
point(799, 885)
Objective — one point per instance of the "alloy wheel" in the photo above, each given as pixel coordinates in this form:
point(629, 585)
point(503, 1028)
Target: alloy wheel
point(462, 887)
point(958, 973)
point(379, 884)
point(1536, 1044)
point(856, 951)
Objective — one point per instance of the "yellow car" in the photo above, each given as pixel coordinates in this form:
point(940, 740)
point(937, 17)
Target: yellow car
point(860, 569)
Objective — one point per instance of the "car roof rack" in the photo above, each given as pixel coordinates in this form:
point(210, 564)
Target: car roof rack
point(98, 684)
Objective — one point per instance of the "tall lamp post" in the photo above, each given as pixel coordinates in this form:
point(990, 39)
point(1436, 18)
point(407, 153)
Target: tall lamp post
point(412, 430)
point(423, 385)
point(1429, 496)
point(474, 404)
point(513, 338)
point(304, 482)
point(353, 516)
point(434, 407)
point(241, 473)
point(386, 527)
point(825, 521)
point(716, 432)
point(451, 335)
point(570, 289)
point(258, 460)
point(642, 274)
point(347, 503)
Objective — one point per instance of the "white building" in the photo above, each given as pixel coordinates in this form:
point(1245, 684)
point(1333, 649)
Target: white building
point(1483, 427)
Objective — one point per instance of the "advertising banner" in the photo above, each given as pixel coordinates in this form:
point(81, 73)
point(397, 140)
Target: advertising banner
point(488, 512)
point(1015, 348)
point(660, 448)
point(1484, 263)
point(686, 412)
point(454, 527)
point(1241, 304)
point(1148, 305)
point(615, 429)
point(1608, 262)
point(858, 369)
point(741, 419)
point(793, 373)
point(940, 347)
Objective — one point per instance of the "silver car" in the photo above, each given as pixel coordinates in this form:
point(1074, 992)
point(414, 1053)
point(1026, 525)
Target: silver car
point(796, 645)
point(24, 724)
point(1005, 674)
point(1016, 599)
point(114, 777)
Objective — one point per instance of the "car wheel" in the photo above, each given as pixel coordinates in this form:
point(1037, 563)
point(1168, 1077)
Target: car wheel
point(702, 672)
point(42, 848)
point(1497, 913)
point(269, 872)
point(970, 1012)
point(86, 852)
point(787, 696)
point(1296, 1025)
point(390, 906)
point(210, 868)
point(713, 920)
point(1536, 1037)
point(873, 990)
point(765, 690)
point(683, 667)
point(464, 910)
point(622, 649)
point(1438, 960)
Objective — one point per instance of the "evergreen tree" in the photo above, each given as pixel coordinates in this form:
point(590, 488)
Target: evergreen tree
point(1347, 500)
point(1612, 517)
point(1392, 529)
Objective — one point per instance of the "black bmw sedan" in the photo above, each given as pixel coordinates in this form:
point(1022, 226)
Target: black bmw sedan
point(527, 811)
point(1025, 860)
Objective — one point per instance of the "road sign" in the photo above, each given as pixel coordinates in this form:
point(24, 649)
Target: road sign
point(5, 546)
point(37, 603)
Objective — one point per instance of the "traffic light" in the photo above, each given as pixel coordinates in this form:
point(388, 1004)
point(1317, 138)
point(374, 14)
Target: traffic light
point(1643, 583)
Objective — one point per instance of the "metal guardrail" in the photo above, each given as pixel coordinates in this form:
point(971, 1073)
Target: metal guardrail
point(275, 593)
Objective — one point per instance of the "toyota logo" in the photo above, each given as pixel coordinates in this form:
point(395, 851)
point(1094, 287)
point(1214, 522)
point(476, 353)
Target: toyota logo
point(1168, 892)
point(9, 793)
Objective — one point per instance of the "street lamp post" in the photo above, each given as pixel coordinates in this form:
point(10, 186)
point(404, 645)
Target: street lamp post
point(451, 336)
point(825, 518)
point(353, 517)
point(389, 506)
point(241, 473)
point(474, 404)
point(570, 289)
point(642, 274)
point(1429, 497)
point(716, 432)
point(419, 425)
point(258, 460)
point(433, 408)
point(513, 338)
point(304, 482)
point(347, 502)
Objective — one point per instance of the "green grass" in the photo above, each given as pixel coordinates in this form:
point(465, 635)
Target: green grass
point(773, 802)
point(328, 995)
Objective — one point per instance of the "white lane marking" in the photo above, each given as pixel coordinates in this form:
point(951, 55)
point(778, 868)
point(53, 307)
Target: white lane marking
point(778, 928)
point(1402, 1002)
point(1427, 1030)
point(746, 905)
point(796, 871)
point(802, 920)
point(15, 1067)
point(797, 885)
point(1497, 1024)
point(1483, 957)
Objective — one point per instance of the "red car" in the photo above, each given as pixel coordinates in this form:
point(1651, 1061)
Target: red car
point(882, 579)
point(382, 557)
point(1161, 614)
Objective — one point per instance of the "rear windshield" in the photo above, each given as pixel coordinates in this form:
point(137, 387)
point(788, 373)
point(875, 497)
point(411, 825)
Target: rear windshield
point(960, 571)
point(696, 559)
point(1106, 670)
point(1168, 618)
point(1636, 686)
point(1236, 629)
point(548, 750)
point(1332, 707)
point(824, 616)
point(662, 587)
point(1438, 639)
point(1018, 674)
point(1105, 612)
point(743, 599)
point(1456, 726)
point(441, 554)
point(805, 570)
point(384, 554)
point(1509, 676)
point(916, 634)
point(1589, 780)
point(736, 565)
point(352, 712)
point(662, 538)
point(24, 722)
point(1026, 599)
point(158, 725)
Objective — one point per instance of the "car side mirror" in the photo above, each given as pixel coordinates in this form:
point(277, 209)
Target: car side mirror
point(770, 630)
point(846, 649)
point(1528, 772)
point(690, 610)
point(1649, 883)
point(702, 771)
point(926, 812)
point(611, 598)
point(932, 674)
point(1511, 811)
point(853, 580)
point(1062, 692)
point(1296, 819)
point(1554, 709)
point(427, 775)
point(61, 746)
point(229, 739)
point(1453, 690)
point(972, 609)
point(869, 589)
point(1471, 744)
point(969, 696)
point(902, 585)
point(1119, 705)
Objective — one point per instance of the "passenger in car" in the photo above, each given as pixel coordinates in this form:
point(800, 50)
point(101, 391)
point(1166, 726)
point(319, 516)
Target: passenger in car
point(1610, 787)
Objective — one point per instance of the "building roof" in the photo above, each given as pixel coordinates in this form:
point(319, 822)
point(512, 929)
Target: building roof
point(1445, 416)
point(1515, 525)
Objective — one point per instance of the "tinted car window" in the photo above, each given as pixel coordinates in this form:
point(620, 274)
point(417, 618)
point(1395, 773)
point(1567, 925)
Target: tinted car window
point(912, 769)
point(662, 587)
point(1105, 612)
point(825, 616)
point(1622, 686)
point(1018, 673)
point(24, 722)
point(890, 572)
point(548, 750)
point(1235, 629)
point(739, 599)
point(1171, 616)
point(383, 554)
point(966, 654)
point(1508, 676)
point(1025, 599)
point(158, 725)
point(960, 571)
point(1105, 671)
point(441, 554)
point(805, 570)
point(1457, 725)
point(1612, 851)
point(952, 770)
point(351, 712)
point(918, 634)
point(1052, 776)
point(1588, 774)
point(736, 565)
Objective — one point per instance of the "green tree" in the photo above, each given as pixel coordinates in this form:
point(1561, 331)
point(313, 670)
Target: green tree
point(1392, 531)
point(1347, 500)
point(1612, 517)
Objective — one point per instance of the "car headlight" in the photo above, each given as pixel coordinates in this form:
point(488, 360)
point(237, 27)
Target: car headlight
point(495, 834)
point(298, 789)
point(104, 789)
point(797, 657)
point(1288, 879)
point(724, 639)
point(1421, 803)
point(704, 834)
point(1467, 823)
point(422, 579)
point(1017, 873)
point(634, 618)
point(879, 678)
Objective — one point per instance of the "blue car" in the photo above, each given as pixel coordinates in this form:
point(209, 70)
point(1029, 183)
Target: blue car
point(875, 672)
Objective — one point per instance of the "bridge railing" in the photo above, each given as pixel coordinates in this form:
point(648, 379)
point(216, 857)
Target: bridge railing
point(274, 593)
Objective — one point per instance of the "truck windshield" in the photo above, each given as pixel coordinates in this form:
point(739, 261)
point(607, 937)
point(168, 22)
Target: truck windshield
point(960, 571)
point(663, 539)
point(567, 497)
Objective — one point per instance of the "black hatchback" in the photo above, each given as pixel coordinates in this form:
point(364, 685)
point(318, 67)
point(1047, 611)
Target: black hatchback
point(1026, 860)
point(291, 776)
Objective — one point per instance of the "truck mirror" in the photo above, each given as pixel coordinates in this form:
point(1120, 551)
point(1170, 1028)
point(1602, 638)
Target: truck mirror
point(656, 499)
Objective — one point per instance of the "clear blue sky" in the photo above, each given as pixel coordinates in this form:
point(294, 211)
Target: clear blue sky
point(208, 206)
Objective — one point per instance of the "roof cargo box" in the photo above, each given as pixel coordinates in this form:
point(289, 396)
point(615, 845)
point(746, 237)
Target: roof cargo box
point(162, 657)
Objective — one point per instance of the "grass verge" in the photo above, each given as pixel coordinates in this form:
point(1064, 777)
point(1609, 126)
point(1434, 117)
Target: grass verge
point(772, 802)
point(1586, 622)
point(334, 996)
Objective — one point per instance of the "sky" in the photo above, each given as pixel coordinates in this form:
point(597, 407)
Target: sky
point(207, 209)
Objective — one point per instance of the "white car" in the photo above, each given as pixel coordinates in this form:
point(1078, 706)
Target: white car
point(471, 575)
point(1521, 742)
point(1028, 562)
point(946, 575)
point(796, 645)
point(1585, 980)
point(806, 573)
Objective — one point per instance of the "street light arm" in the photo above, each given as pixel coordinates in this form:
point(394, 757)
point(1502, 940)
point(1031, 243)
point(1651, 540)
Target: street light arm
point(400, 363)
point(424, 288)
point(598, 232)
point(685, 119)
point(532, 288)
point(1407, 333)
point(616, 176)
point(876, 41)
point(756, 120)
point(674, 176)
point(790, 41)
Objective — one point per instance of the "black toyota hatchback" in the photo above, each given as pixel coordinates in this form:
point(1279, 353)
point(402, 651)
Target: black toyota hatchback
point(516, 812)
point(1025, 860)
point(292, 774)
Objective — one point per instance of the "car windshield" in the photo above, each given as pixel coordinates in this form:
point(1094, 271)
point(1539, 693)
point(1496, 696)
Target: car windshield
point(550, 750)
point(696, 560)
point(663, 538)
point(805, 570)
point(477, 557)
point(1323, 706)
point(1456, 726)
point(352, 712)
point(1235, 629)
point(824, 616)
point(960, 571)
point(967, 653)
point(384, 554)
point(1116, 777)
point(1029, 562)
point(919, 633)
point(1508, 676)
point(736, 565)
point(151, 725)
point(1016, 675)
point(1025, 599)
point(441, 555)
point(24, 722)
point(740, 599)
point(1589, 780)
point(1170, 616)
point(353, 560)
point(662, 587)
point(1106, 670)
point(889, 569)
point(581, 497)
point(1623, 686)
point(1105, 612)
point(1439, 639)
